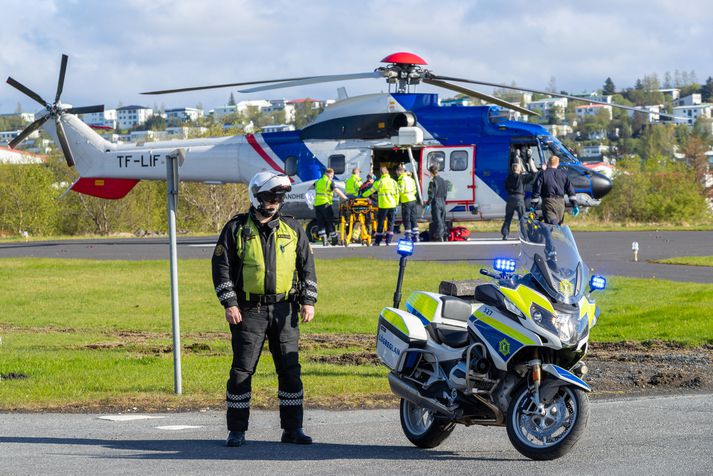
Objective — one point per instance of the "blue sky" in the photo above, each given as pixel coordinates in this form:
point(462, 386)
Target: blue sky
point(120, 48)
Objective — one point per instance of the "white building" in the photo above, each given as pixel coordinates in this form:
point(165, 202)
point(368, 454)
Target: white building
point(558, 130)
point(281, 105)
point(258, 105)
point(222, 111)
point(24, 116)
point(130, 116)
point(689, 114)
point(7, 136)
point(690, 100)
point(651, 118)
point(590, 152)
point(278, 128)
point(590, 110)
point(101, 119)
point(673, 93)
point(184, 114)
point(595, 96)
point(544, 106)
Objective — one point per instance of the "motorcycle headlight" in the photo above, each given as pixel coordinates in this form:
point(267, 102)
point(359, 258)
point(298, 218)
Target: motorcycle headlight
point(513, 308)
point(566, 328)
point(561, 324)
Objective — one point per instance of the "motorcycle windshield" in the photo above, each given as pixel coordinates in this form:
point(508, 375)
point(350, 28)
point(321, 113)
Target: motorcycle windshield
point(550, 254)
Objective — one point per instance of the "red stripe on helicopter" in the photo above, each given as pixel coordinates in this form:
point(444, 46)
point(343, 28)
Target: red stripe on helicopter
point(261, 152)
point(109, 188)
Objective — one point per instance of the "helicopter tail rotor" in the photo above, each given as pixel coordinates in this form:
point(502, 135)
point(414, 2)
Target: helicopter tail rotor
point(54, 111)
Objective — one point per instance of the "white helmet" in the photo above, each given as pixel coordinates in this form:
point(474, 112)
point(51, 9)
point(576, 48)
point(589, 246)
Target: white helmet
point(267, 183)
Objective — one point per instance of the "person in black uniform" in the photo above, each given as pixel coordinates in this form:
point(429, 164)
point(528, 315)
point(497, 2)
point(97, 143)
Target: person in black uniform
point(551, 186)
point(515, 186)
point(437, 193)
point(263, 271)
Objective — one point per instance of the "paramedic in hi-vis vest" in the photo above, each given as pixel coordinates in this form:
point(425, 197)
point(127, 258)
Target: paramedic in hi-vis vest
point(324, 194)
point(407, 198)
point(388, 198)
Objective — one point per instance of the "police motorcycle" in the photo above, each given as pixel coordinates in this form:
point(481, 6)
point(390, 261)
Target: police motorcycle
point(510, 355)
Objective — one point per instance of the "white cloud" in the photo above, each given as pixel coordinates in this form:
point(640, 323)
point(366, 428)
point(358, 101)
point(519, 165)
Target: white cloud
point(120, 48)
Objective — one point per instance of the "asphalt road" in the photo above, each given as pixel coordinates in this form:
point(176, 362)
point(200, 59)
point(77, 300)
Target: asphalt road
point(609, 253)
point(651, 436)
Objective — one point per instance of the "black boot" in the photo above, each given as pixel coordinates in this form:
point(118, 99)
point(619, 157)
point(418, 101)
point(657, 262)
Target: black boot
point(235, 438)
point(296, 437)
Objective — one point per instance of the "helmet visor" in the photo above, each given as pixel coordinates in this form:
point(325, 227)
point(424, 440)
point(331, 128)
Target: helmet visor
point(271, 197)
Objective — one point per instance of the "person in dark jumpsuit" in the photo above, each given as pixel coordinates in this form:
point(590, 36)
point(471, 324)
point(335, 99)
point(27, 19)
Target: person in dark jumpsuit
point(515, 186)
point(551, 186)
point(264, 276)
point(437, 193)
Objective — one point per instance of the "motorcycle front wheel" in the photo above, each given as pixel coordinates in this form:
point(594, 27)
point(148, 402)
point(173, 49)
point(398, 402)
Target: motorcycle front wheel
point(552, 434)
point(421, 426)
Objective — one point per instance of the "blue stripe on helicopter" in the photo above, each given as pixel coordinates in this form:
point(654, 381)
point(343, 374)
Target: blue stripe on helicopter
point(289, 144)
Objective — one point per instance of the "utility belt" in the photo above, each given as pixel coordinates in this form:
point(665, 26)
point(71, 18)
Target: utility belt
point(267, 298)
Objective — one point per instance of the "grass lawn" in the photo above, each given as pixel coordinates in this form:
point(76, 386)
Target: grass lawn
point(80, 334)
point(689, 260)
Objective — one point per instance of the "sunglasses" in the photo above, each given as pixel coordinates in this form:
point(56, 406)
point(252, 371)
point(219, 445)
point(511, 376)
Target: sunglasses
point(271, 197)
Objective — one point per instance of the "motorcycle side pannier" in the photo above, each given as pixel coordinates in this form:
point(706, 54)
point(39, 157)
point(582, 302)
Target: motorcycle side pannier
point(398, 331)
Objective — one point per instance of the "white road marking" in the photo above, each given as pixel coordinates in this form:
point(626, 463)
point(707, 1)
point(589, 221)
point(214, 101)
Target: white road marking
point(177, 427)
point(128, 417)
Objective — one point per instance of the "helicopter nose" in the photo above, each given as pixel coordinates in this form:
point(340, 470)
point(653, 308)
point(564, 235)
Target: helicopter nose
point(601, 185)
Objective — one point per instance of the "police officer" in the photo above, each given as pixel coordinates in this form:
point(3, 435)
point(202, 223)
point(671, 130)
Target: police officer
point(515, 186)
point(324, 195)
point(551, 185)
point(351, 187)
point(263, 271)
point(407, 198)
point(437, 193)
point(388, 193)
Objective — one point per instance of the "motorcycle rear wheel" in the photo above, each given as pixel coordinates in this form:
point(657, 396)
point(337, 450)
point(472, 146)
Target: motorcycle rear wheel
point(549, 436)
point(421, 426)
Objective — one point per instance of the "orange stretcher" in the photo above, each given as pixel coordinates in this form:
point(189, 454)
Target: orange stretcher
point(356, 218)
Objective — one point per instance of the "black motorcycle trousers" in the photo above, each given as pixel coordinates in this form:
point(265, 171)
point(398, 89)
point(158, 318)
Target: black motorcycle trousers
point(279, 324)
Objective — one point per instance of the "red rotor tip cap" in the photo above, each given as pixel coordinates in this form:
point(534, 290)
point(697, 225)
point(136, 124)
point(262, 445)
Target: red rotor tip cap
point(403, 57)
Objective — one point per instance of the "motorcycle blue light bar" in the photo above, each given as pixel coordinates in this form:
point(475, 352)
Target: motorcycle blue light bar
point(404, 247)
point(598, 282)
point(504, 265)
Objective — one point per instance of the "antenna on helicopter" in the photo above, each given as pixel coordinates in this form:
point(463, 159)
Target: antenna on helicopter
point(54, 110)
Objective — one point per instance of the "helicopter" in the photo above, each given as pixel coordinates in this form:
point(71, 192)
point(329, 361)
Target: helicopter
point(472, 146)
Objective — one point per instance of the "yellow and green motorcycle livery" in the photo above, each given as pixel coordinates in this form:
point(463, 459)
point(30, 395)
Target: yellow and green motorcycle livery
point(509, 354)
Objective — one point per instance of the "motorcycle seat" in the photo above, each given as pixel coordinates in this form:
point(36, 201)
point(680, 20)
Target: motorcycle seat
point(456, 309)
point(449, 335)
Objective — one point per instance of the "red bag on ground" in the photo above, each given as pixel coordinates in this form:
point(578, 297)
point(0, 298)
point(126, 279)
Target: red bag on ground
point(458, 233)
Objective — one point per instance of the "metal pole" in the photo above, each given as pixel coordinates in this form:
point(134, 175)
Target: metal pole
point(415, 175)
point(172, 194)
point(399, 281)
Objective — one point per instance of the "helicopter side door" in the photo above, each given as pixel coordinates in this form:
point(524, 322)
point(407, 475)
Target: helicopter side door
point(457, 166)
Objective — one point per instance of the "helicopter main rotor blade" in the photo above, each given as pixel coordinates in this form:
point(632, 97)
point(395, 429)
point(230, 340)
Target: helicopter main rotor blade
point(313, 80)
point(27, 131)
point(63, 142)
point(479, 95)
point(27, 91)
point(60, 82)
point(573, 98)
point(228, 85)
point(85, 109)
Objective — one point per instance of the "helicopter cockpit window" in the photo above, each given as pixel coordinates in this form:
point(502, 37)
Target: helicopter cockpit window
point(437, 158)
point(338, 163)
point(459, 160)
point(291, 165)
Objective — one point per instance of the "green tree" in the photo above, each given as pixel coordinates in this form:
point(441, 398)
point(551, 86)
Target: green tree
point(707, 90)
point(27, 199)
point(609, 88)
